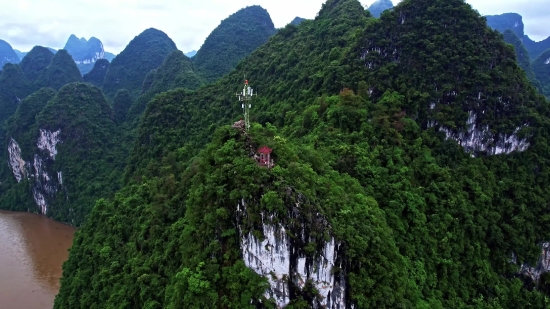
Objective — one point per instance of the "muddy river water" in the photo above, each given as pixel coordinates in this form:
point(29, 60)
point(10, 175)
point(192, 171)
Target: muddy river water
point(32, 251)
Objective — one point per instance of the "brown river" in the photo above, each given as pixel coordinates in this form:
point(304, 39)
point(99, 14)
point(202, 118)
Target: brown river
point(32, 250)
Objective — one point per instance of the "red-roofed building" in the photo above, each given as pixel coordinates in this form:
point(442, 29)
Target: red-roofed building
point(265, 156)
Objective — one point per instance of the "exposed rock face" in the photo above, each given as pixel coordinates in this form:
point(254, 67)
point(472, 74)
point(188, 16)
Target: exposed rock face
point(543, 265)
point(283, 262)
point(478, 139)
point(17, 163)
point(48, 140)
point(44, 185)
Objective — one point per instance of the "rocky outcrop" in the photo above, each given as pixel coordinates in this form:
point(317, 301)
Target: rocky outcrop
point(283, 261)
point(16, 162)
point(542, 266)
point(44, 186)
point(476, 139)
point(48, 141)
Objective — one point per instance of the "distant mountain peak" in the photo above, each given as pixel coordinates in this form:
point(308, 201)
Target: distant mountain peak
point(191, 53)
point(85, 52)
point(380, 6)
point(7, 54)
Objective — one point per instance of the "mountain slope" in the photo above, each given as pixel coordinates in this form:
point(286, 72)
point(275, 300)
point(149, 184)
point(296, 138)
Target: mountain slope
point(20, 54)
point(97, 75)
point(144, 53)
point(35, 62)
point(7, 54)
point(66, 156)
point(514, 22)
point(380, 6)
point(175, 72)
point(541, 68)
point(522, 56)
point(61, 71)
point(13, 88)
point(367, 191)
point(536, 48)
point(236, 37)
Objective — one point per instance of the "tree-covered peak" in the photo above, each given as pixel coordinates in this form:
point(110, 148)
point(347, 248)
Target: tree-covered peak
point(62, 70)
point(7, 54)
point(235, 38)
point(129, 68)
point(380, 6)
point(297, 20)
point(35, 62)
point(98, 72)
point(333, 9)
point(455, 73)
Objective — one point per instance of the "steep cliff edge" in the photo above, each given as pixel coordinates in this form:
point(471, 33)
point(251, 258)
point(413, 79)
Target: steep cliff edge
point(53, 146)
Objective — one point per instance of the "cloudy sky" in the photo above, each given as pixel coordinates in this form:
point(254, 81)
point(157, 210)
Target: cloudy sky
point(25, 23)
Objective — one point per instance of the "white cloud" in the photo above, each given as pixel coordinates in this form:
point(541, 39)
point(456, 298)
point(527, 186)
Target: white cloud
point(25, 23)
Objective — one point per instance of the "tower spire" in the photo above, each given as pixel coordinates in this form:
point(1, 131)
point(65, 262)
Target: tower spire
point(245, 98)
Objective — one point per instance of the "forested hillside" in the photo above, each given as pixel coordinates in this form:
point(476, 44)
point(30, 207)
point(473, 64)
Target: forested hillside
point(522, 56)
point(236, 37)
point(175, 72)
point(541, 68)
point(98, 72)
point(410, 171)
point(63, 152)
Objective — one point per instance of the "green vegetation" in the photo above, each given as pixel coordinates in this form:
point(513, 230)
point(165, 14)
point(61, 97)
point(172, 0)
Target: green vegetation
point(522, 56)
point(88, 154)
point(61, 71)
point(296, 21)
point(235, 38)
point(13, 88)
point(175, 72)
point(541, 67)
point(36, 62)
point(98, 72)
point(345, 102)
point(121, 105)
point(129, 68)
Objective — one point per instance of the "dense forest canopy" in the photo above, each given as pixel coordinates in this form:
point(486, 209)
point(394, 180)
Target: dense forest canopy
point(541, 68)
point(366, 119)
point(522, 56)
